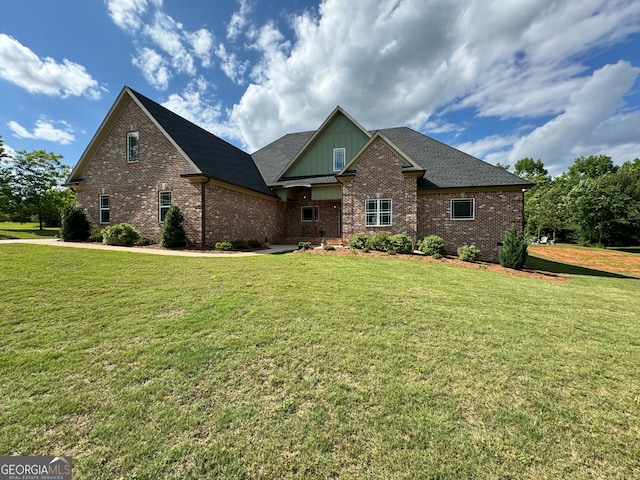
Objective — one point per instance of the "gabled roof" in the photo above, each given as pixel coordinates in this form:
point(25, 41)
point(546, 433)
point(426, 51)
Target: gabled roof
point(316, 134)
point(410, 164)
point(448, 167)
point(208, 154)
point(444, 166)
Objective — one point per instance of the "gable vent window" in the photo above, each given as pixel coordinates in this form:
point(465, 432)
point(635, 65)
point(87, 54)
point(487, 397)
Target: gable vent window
point(164, 202)
point(105, 209)
point(132, 147)
point(339, 156)
point(462, 209)
point(378, 212)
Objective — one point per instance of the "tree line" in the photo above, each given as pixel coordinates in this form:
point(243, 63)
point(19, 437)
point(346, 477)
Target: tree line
point(30, 187)
point(594, 202)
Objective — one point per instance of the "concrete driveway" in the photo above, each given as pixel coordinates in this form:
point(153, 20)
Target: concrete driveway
point(156, 250)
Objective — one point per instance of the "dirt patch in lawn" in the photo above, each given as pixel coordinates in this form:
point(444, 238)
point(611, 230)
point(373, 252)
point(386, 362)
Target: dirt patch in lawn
point(596, 258)
point(493, 267)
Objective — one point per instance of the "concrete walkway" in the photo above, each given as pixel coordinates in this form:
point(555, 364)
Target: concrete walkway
point(155, 250)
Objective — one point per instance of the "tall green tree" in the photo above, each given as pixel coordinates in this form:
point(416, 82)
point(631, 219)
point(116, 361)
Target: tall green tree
point(33, 176)
point(5, 190)
point(593, 166)
point(532, 170)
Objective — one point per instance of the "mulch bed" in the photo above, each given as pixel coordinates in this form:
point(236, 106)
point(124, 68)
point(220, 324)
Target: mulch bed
point(493, 267)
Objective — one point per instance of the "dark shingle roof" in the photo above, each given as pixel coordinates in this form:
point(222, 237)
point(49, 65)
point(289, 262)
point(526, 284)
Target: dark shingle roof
point(445, 166)
point(214, 157)
point(273, 159)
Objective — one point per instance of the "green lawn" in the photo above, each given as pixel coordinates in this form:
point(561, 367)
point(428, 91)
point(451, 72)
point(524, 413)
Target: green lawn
point(315, 366)
point(26, 231)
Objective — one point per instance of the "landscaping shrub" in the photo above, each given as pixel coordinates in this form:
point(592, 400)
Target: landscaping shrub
point(328, 247)
point(253, 243)
point(75, 224)
point(432, 245)
point(378, 241)
point(304, 245)
point(96, 237)
point(400, 243)
point(513, 253)
point(120, 234)
point(358, 240)
point(468, 253)
point(223, 246)
point(239, 244)
point(173, 234)
point(143, 241)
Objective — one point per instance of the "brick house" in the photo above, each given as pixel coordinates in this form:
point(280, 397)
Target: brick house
point(332, 182)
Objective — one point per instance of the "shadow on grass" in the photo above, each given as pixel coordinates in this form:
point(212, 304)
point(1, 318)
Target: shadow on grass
point(20, 233)
point(545, 265)
point(626, 249)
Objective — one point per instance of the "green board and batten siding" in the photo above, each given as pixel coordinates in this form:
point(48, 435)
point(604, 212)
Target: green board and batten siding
point(318, 157)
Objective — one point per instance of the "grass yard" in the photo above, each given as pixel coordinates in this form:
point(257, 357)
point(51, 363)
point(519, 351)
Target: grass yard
point(25, 231)
point(315, 366)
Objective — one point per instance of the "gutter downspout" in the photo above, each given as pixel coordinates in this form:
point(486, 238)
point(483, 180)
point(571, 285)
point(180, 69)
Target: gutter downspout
point(203, 219)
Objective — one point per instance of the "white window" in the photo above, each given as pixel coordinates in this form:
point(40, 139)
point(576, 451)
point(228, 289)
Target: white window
point(378, 212)
point(105, 209)
point(132, 147)
point(462, 209)
point(164, 202)
point(339, 155)
point(307, 212)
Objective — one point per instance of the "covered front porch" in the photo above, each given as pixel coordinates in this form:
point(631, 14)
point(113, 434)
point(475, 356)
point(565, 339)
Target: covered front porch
point(313, 213)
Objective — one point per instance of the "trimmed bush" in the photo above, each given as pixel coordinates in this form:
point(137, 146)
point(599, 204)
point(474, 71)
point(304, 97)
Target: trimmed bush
point(358, 240)
point(400, 243)
point(329, 247)
point(143, 241)
point(378, 241)
point(513, 253)
point(253, 243)
point(120, 234)
point(468, 253)
point(239, 244)
point(173, 234)
point(96, 237)
point(75, 224)
point(304, 245)
point(223, 246)
point(432, 245)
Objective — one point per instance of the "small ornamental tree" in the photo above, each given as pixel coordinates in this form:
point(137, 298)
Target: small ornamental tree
point(513, 253)
point(173, 234)
point(75, 225)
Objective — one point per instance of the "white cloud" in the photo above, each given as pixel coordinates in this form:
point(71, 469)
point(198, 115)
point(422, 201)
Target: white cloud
point(202, 44)
point(154, 68)
point(169, 35)
point(396, 62)
point(21, 66)
point(239, 20)
point(44, 130)
point(127, 14)
point(194, 105)
point(233, 68)
point(588, 122)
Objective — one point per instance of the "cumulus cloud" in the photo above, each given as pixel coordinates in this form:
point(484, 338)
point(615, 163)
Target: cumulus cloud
point(44, 130)
point(154, 68)
point(396, 62)
point(127, 14)
point(21, 66)
point(164, 48)
point(588, 120)
point(193, 104)
point(239, 20)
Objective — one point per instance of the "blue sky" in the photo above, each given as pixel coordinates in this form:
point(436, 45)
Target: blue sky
point(501, 80)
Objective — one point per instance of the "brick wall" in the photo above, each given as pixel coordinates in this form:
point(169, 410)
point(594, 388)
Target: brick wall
point(328, 221)
point(133, 187)
point(379, 175)
point(233, 214)
point(495, 212)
